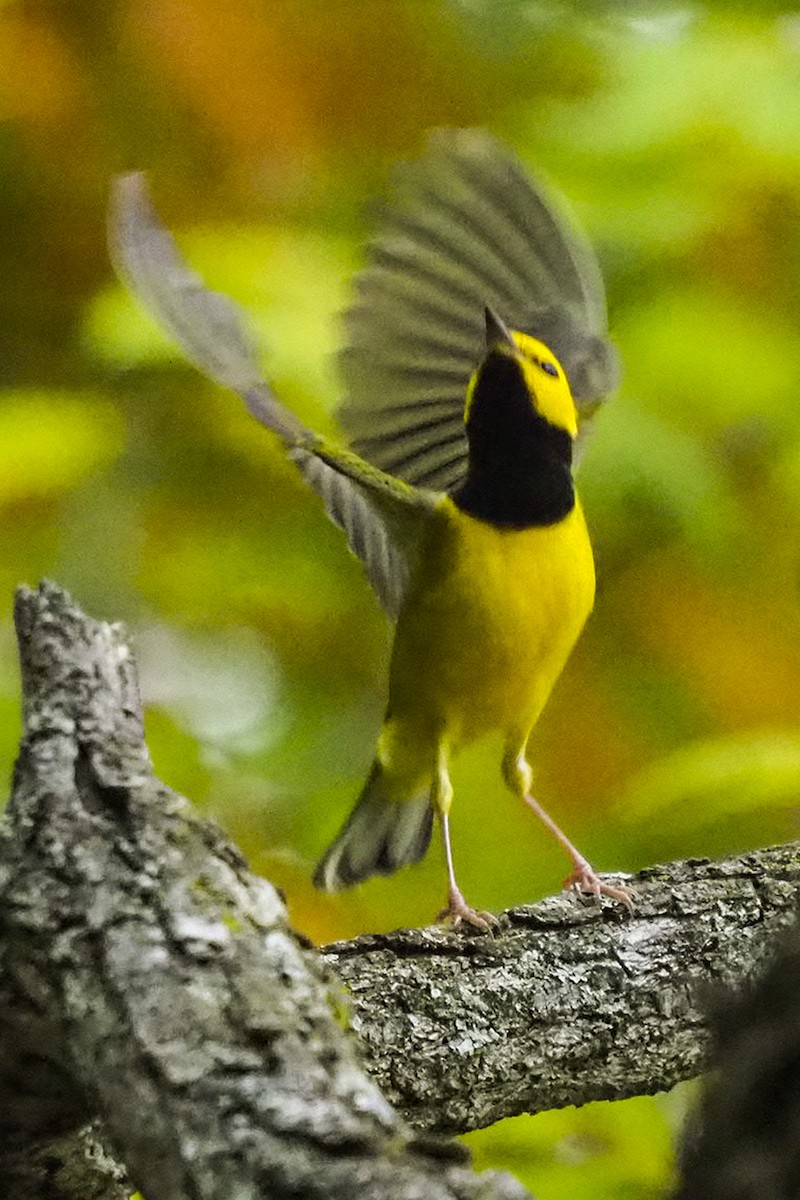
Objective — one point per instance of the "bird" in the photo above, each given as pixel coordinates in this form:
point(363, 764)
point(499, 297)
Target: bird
point(474, 352)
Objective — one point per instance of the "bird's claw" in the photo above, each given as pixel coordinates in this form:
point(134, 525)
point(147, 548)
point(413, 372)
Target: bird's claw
point(458, 911)
point(584, 881)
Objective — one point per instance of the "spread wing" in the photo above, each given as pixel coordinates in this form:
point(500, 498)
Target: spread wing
point(466, 227)
point(383, 518)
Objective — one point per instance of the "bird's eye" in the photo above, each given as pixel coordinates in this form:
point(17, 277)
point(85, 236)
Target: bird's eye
point(549, 368)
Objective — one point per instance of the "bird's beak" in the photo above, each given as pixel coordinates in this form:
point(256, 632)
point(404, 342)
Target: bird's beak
point(497, 333)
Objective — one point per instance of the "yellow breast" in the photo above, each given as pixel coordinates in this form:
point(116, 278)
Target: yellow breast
point(488, 625)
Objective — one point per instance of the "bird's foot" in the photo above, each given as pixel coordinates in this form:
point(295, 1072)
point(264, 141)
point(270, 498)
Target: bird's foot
point(585, 881)
point(458, 911)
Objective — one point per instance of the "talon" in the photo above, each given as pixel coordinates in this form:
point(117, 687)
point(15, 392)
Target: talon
point(584, 881)
point(458, 910)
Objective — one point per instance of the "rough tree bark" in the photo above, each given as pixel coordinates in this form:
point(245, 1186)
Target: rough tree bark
point(146, 977)
point(148, 980)
point(566, 1004)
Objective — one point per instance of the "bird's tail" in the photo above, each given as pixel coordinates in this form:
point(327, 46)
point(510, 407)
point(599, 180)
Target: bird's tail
point(381, 834)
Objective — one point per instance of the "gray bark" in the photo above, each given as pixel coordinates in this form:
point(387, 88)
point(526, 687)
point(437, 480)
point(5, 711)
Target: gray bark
point(567, 1003)
point(149, 980)
point(743, 1139)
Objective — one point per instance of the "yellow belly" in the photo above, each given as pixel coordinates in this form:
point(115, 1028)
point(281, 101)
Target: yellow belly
point(485, 632)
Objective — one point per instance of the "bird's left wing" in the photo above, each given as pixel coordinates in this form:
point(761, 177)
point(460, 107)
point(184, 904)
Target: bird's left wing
point(465, 226)
point(384, 519)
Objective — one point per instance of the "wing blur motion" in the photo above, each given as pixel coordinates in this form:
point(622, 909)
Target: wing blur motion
point(466, 227)
point(206, 325)
point(381, 516)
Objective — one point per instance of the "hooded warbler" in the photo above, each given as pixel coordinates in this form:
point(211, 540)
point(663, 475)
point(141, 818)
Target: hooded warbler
point(476, 345)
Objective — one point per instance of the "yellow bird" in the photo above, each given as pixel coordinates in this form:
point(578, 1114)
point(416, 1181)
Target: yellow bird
point(458, 494)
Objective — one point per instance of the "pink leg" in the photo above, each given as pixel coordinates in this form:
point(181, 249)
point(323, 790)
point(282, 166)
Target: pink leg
point(457, 909)
point(583, 879)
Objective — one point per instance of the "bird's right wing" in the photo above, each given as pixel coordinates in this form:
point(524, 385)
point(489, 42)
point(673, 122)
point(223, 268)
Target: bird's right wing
point(384, 519)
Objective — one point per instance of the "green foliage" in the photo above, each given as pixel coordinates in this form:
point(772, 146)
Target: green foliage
point(626, 1149)
point(52, 441)
point(288, 280)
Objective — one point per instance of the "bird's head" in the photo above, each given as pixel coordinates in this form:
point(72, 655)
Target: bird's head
point(519, 375)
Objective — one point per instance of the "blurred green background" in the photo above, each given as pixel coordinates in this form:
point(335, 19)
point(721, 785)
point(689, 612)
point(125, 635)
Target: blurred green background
point(267, 127)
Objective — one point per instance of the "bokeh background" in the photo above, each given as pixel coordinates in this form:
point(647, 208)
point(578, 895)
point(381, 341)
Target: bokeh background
point(268, 127)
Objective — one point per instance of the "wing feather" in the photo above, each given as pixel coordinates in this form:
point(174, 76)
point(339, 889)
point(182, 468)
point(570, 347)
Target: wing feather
point(466, 226)
point(383, 519)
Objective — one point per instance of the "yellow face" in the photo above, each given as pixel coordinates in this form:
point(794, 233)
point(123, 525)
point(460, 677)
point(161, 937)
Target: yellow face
point(544, 377)
point(547, 383)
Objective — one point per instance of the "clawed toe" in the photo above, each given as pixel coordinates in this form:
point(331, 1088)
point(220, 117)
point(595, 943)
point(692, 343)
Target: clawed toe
point(458, 912)
point(584, 881)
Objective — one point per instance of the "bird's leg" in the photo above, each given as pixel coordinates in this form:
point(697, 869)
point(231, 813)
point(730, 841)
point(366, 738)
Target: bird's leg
point(457, 909)
point(583, 879)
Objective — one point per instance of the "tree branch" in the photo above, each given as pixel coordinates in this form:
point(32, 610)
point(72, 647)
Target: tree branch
point(147, 977)
point(567, 1003)
point(741, 1141)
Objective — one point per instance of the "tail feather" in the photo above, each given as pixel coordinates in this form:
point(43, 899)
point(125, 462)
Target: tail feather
point(379, 836)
